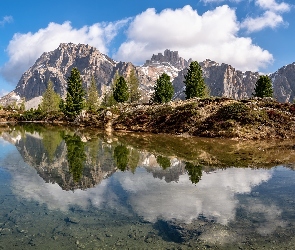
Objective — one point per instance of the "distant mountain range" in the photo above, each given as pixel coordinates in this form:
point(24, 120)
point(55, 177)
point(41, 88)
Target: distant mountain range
point(222, 79)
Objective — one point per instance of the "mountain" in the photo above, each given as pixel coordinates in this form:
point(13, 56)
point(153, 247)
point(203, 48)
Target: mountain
point(222, 79)
point(284, 83)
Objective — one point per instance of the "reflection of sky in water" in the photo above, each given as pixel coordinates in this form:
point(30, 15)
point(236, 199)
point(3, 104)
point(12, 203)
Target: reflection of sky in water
point(213, 196)
point(5, 147)
point(149, 197)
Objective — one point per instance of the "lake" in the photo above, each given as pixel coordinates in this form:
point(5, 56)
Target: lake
point(70, 188)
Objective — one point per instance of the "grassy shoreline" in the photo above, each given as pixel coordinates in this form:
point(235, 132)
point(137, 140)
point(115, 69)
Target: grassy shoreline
point(212, 117)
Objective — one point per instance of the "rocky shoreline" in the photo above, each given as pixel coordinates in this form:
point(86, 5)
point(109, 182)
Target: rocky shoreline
point(212, 117)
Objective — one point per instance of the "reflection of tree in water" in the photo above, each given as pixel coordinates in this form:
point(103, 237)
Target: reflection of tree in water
point(133, 159)
point(164, 162)
point(194, 172)
point(76, 155)
point(121, 154)
point(51, 140)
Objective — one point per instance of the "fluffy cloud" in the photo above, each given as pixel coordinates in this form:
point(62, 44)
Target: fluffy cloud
point(271, 18)
point(268, 19)
point(6, 19)
point(273, 5)
point(212, 35)
point(24, 49)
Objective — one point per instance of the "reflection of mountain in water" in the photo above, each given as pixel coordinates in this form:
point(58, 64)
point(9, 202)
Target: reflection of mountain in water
point(82, 159)
point(74, 162)
point(170, 172)
point(54, 164)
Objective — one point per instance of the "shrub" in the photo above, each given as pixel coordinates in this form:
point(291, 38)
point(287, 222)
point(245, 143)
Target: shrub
point(235, 111)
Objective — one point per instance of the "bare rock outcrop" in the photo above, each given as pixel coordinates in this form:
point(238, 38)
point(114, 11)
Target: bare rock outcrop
point(284, 83)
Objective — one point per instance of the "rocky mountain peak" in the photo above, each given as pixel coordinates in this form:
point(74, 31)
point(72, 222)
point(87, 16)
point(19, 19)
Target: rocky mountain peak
point(169, 57)
point(222, 79)
point(56, 66)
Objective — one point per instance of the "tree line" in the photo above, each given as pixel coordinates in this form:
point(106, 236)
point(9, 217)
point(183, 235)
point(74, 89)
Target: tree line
point(127, 90)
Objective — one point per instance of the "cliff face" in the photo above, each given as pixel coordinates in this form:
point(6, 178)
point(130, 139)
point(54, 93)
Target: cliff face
point(222, 79)
point(56, 66)
point(284, 83)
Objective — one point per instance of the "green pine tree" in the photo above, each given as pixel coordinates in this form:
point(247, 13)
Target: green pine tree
point(133, 84)
point(121, 93)
point(263, 87)
point(75, 95)
point(194, 82)
point(51, 99)
point(163, 89)
point(108, 95)
point(92, 102)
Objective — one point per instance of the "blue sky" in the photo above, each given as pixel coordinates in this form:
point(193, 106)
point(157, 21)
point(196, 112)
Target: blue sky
point(255, 35)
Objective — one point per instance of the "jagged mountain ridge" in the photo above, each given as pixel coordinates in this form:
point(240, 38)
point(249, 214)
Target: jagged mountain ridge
point(222, 79)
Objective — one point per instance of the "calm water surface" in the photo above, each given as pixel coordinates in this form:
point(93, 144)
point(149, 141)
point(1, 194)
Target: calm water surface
point(71, 189)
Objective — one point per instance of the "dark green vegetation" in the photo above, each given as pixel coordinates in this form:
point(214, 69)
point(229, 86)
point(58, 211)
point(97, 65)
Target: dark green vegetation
point(75, 100)
point(51, 100)
point(263, 87)
point(194, 82)
point(121, 93)
point(133, 84)
point(92, 102)
point(163, 90)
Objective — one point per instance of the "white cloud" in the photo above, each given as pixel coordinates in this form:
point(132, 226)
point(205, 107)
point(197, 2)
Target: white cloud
point(271, 18)
point(24, 49)
point(212, 35)
point(6, 19)
point(273, 5)
point(268, 19)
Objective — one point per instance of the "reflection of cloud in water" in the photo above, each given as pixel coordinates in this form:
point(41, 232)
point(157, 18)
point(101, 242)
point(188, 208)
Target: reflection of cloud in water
point(27, 184)
point(269, 216)
point(151, 198)
point(213, 196)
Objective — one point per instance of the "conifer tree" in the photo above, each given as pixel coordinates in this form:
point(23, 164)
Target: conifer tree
point(75, 95)
point(133, 84)
point(121, 93)
point(92, 97)
point(163, 89)
point(263, 87)
point(108, 95)
point(51, 99)
point(194, 82)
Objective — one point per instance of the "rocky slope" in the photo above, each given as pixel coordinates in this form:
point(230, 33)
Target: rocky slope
point(222, 79)
point(284, 83)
